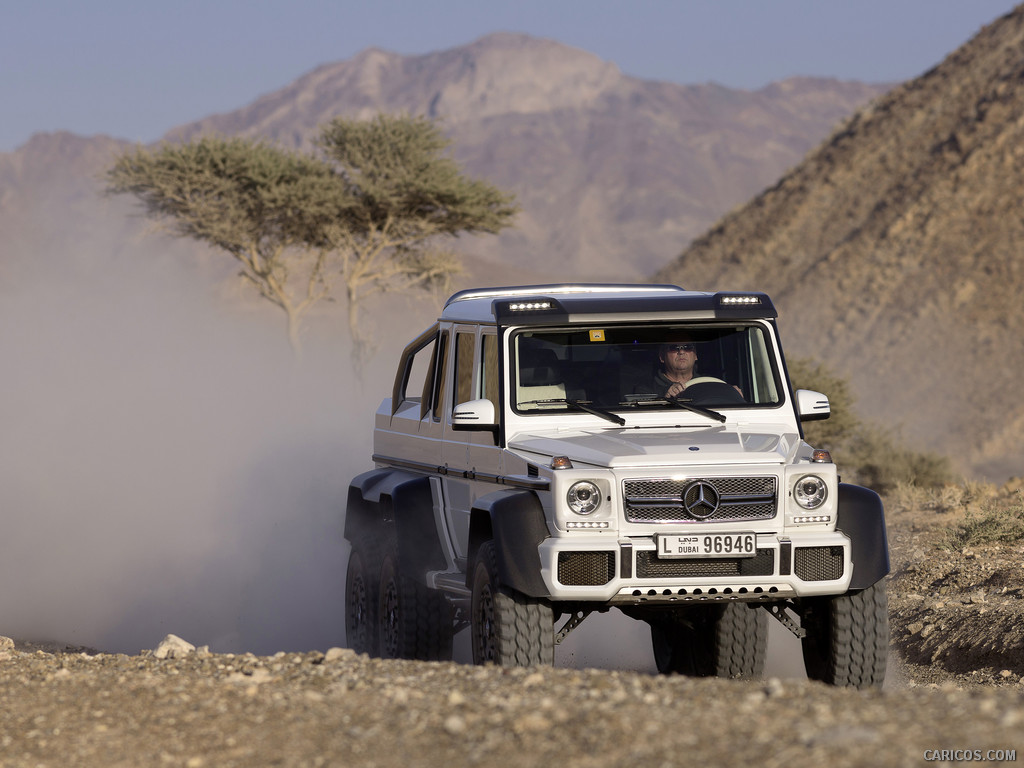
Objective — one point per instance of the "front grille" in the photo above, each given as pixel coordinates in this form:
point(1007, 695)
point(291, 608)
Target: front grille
point(818, 563)
point(661, 500)
point(649, 566)
point(585, 569)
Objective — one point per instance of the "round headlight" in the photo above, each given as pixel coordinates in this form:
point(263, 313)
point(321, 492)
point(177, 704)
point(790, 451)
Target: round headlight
point(583, 497)
point(810, 492)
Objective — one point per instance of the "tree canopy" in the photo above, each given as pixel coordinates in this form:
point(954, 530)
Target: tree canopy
point(409, 194)
point(369, 206)
point(263, 205)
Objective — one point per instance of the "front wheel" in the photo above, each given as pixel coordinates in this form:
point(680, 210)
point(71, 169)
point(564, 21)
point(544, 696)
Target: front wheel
point(723, 640)
point(508, 628)
point(847, 641)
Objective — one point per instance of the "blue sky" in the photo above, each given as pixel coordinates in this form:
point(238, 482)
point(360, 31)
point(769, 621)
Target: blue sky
point(136, 68)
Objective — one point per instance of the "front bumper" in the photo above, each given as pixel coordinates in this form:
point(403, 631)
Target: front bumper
point(629, 572)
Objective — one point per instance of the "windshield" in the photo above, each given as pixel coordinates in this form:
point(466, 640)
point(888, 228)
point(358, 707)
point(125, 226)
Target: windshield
point(644, 367)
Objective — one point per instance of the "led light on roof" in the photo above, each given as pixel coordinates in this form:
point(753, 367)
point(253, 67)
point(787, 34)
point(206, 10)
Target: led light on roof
point(526, 306)
point(741, 299)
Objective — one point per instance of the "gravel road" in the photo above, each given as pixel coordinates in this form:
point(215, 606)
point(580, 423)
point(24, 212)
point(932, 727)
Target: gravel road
point(317, 709)
point(189, 707)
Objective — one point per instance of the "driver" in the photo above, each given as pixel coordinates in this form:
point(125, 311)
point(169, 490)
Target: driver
point(678, 365)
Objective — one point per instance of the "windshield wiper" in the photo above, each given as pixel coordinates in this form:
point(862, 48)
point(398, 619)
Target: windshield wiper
point(583, 405)
point(687, 405)
point(636, 400)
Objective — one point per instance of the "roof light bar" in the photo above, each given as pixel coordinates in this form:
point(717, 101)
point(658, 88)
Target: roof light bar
point(746, 300)
point(528, 306)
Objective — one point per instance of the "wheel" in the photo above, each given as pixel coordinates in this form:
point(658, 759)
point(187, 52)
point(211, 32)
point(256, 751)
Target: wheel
point(508, 628)
point(413, 621)
point(723, 640)
point(847, 641)
point(361, 598)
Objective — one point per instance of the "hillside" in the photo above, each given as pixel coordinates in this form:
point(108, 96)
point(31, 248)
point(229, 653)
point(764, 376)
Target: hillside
point(893, 252)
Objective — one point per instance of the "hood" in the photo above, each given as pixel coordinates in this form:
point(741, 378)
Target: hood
point(663, 447)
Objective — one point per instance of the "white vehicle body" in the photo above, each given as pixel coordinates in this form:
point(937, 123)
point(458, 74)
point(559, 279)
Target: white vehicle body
point(525, 414)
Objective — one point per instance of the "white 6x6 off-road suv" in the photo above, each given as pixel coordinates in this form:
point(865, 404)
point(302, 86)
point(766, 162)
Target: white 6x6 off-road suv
point(534, 464)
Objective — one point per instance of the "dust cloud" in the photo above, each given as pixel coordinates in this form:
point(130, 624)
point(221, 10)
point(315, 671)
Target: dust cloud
point(167, 466)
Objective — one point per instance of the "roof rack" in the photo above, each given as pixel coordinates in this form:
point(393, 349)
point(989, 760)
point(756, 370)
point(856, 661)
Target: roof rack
point(560, 289)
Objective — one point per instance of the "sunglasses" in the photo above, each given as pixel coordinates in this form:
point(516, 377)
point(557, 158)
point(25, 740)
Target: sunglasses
point(677, 348)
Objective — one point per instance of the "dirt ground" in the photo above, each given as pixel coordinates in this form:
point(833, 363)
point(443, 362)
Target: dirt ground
point(955, 692)
point(956, 613)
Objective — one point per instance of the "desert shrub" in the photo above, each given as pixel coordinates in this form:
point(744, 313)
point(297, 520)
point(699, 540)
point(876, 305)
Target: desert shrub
point(881, 462)
point(834, 432)
point(873, 455)
point(996, 522)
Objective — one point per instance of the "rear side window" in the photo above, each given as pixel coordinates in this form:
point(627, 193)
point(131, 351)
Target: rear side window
point(464, 343)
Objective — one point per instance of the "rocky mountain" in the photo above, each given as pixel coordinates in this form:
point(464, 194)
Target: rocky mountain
point(893, 251)
point(613, 173)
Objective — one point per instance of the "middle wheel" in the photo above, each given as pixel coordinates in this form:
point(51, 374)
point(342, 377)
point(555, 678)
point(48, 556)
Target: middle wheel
point(413, 621)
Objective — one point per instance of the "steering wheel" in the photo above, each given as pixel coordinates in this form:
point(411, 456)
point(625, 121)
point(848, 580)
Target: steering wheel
point(707, 390)
point(702, 380)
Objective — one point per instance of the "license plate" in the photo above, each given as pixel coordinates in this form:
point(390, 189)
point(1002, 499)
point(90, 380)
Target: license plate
point(672, 546)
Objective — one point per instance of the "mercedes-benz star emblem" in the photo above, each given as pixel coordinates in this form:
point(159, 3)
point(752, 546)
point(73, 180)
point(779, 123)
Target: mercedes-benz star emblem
point(700, 500)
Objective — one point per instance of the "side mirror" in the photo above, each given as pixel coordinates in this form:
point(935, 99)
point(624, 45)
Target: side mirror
point(812, 406)
point(474, 416)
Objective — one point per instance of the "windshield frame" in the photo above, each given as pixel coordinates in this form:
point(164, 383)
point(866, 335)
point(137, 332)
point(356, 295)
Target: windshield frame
point(754, 338)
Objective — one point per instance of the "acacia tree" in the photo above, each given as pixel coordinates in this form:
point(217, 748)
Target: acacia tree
point(265, 206)
point(410, 194)
point(370, 207)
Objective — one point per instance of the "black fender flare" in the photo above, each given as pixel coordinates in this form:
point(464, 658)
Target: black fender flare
point(392, 502)
point(861, 517)
point(518, 527)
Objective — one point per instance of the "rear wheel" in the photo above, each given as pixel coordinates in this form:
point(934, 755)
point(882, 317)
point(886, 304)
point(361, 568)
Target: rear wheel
point(723, 640)
point(508, 628)
point(361, 598)
point(847, 641)
point(413, 621)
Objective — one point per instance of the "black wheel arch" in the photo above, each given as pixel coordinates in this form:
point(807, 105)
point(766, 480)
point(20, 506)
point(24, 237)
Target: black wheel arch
point(861, 517)
point(390, 502)
point(515, 521)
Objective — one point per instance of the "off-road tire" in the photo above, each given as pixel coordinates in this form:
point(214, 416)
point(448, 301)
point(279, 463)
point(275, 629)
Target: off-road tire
point(361, 597)
point(413, 621)
point(847, 641)
point(508, 628)
point(719, 640)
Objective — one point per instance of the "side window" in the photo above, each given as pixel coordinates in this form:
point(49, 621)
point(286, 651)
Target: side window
point(464, 343)
point(438, 379)
point(418, 365)
point(489, 369)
